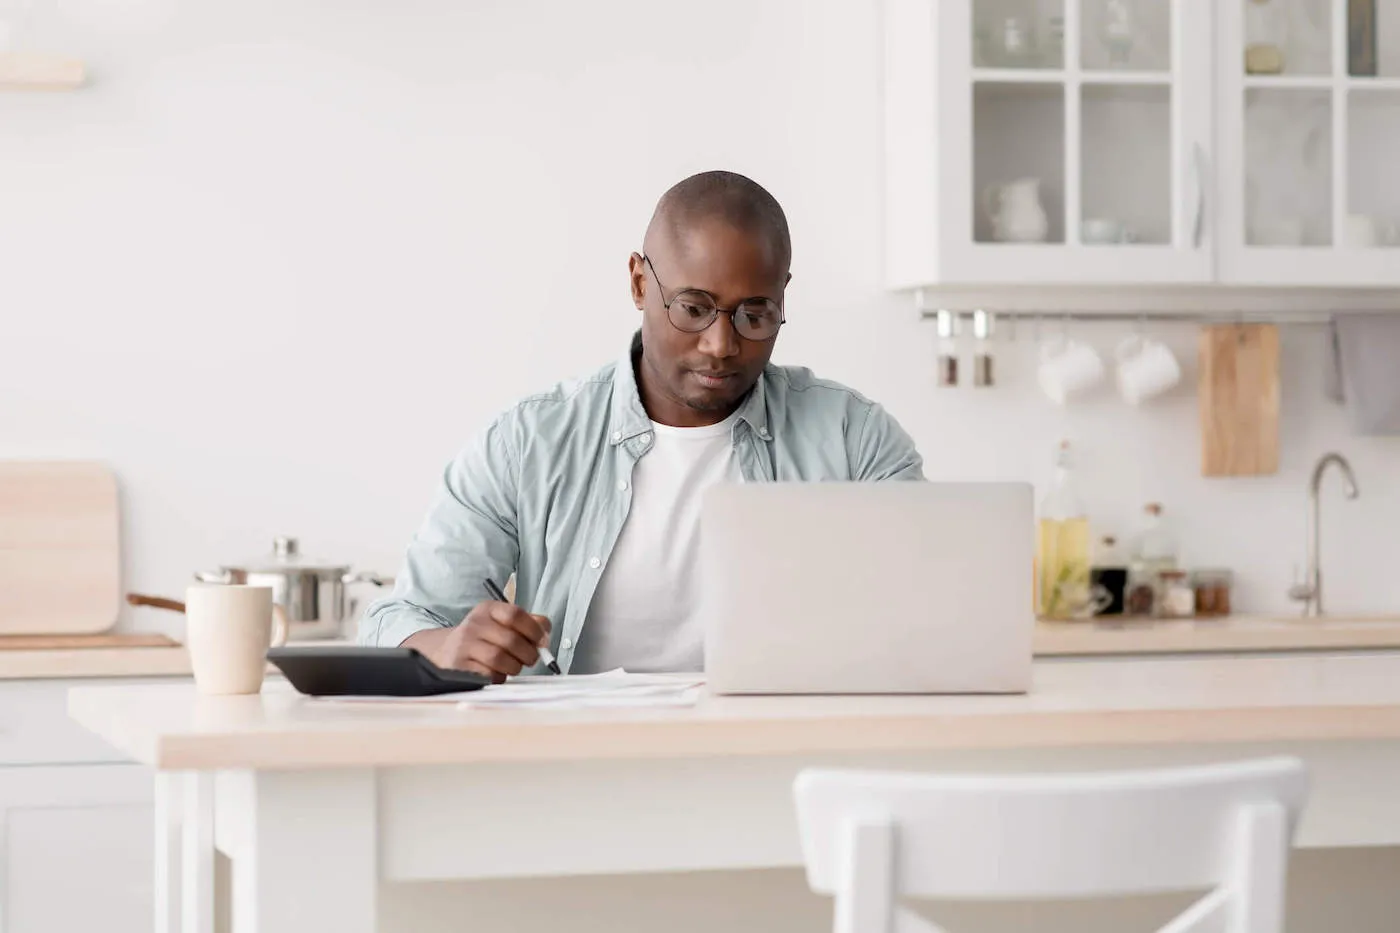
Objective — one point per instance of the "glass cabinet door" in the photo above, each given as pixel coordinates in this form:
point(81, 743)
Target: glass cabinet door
point(1091, 132)
point(1310, 123)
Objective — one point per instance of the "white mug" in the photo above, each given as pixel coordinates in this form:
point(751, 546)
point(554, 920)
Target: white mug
point(1145, 368)
point(228, 629)
point(1067, 368)
point(1364, 231)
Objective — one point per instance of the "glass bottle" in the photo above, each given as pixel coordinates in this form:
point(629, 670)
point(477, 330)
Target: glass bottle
point(1153, 551)
point(1062, 544)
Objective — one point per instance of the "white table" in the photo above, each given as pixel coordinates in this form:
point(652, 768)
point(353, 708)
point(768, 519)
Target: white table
point(318, 802)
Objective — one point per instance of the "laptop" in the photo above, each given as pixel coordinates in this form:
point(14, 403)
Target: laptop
point(855, 588)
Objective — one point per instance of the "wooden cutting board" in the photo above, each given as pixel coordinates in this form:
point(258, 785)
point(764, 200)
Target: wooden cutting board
point(70, 642)
point(1239, 399)
point(60, 564)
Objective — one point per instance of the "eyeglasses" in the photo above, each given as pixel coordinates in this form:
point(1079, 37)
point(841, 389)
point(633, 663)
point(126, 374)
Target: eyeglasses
point(692, 310)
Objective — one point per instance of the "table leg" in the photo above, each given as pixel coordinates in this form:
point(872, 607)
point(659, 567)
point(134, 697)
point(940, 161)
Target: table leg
point(169, 802)
point(311, 862)
point(197, 854)
point(184, 868)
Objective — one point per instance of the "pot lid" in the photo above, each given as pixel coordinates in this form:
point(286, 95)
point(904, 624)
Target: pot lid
point(286, 555)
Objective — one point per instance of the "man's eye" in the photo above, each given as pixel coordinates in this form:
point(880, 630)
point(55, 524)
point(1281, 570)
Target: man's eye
point(695, 311)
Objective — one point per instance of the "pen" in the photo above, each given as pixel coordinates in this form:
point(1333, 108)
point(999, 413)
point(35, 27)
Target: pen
point(500, 597)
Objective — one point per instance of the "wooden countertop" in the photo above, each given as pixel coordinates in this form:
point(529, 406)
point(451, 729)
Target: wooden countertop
point(1085, 703)
point(1239, 634)
point(1202, 636)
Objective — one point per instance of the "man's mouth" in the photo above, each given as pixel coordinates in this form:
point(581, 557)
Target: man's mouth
point(713, 380)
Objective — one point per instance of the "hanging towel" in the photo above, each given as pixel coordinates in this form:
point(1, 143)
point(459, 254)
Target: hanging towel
point(1364, 359)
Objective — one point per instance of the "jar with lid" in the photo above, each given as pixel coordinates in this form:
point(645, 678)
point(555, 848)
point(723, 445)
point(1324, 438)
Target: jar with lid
point(1176, 599)
point(1153, 551)
point(1212, 587)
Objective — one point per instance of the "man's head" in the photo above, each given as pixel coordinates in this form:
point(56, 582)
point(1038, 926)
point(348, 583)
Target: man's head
point(716, 240)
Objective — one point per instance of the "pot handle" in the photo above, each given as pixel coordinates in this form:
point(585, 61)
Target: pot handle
point(155, 602)
point(204, 576)
point(364, 576)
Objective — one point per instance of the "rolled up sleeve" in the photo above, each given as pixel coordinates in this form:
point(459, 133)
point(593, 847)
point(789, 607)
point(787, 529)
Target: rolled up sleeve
point(882, 450)
point(469, 534)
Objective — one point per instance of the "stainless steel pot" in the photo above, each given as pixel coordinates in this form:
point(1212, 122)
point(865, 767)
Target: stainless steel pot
point(314, 594)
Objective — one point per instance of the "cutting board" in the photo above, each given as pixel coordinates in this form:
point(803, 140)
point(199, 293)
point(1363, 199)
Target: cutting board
point(71, 642)
point(60, 563)
point(1239, 399)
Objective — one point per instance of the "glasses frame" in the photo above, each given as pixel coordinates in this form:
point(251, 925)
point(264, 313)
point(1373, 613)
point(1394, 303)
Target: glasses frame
point(782, 312)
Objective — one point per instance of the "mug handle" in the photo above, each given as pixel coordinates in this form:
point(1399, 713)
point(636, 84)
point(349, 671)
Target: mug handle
point(280, 626)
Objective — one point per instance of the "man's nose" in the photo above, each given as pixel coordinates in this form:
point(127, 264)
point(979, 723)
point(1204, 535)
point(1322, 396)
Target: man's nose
point(720, 340)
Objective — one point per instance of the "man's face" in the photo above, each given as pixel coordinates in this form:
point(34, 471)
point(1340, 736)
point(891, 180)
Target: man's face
point(699, 378)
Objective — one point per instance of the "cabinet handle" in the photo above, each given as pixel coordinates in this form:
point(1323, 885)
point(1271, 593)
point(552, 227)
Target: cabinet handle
point(1198, 168)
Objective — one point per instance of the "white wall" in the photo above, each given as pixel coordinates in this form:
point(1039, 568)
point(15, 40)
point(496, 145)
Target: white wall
point(285, 255)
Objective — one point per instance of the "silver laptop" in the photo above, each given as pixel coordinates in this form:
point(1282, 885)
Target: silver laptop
point(891, 587)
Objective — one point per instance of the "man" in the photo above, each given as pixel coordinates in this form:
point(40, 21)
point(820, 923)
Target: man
point(590, 493)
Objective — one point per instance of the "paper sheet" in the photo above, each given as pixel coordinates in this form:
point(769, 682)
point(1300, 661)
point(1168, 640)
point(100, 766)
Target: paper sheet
point(615, 688)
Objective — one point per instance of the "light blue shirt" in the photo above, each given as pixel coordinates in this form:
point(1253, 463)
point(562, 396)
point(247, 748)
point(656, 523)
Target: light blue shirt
point(544, 489)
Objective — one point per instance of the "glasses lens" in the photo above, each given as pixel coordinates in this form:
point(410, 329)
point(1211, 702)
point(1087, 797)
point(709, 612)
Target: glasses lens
point(692, 311)
point(758, 320)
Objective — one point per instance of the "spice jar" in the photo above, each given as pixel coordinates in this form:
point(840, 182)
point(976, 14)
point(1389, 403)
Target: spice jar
point(1175, 597)
point(1212, 592)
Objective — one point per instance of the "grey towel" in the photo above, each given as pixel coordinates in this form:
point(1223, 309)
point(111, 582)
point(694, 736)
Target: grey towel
point(1365, 371)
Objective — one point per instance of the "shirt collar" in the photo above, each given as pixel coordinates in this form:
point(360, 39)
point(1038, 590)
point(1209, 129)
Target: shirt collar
point(629, 419)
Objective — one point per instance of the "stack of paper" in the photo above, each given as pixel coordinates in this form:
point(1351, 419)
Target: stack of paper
point(571, 691)
point(580, 691)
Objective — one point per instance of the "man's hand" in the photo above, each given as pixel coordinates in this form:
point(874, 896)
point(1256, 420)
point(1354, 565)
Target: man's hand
point(495, 639)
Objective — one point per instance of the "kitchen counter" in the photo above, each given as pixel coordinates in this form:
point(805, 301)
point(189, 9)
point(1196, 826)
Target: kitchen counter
point(1231, 634)
point(374, 793)
point(1099, 637)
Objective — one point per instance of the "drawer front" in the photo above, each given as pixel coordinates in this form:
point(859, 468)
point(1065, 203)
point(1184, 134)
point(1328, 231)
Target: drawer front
point(35, 727)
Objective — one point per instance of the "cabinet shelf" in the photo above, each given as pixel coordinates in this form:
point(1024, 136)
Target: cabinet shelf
point(1320, 82)
point(1058, 76)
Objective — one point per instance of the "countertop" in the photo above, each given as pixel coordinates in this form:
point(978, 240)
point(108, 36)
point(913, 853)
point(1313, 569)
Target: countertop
point(1233, 634)
point(1241, 634)
point(1095, 702)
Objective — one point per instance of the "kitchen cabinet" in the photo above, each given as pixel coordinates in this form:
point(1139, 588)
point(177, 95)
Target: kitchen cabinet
point(76, 855)
point(1308, 191)
point(76, 819)
point(1120, 142)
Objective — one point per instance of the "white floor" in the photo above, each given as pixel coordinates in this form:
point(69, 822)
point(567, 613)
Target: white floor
point(1331, 891)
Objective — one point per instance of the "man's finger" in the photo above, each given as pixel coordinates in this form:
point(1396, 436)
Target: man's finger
point(518, 619)
point(497, 660)
point(512, 642)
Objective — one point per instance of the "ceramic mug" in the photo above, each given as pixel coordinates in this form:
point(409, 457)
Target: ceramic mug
point(1146, 368)
point(1067, 368)
point(1364, 231)
point(1100, 230)
point(228, 629)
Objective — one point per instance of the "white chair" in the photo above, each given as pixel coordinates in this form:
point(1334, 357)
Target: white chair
point(871, 837)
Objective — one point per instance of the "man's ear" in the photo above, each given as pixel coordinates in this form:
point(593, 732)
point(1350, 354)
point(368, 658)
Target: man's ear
point(638, 280)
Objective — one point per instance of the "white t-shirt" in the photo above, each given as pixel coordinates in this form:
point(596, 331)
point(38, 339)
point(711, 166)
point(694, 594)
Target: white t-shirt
point(643, 614)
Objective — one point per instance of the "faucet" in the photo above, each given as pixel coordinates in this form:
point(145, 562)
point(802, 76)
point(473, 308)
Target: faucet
point(1309, 592)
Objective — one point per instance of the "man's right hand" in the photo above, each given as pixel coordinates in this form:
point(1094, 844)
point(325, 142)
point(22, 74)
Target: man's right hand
point(495, 639)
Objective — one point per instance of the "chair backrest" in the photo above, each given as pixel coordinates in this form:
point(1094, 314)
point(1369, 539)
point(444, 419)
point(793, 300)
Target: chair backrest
point(870, 837)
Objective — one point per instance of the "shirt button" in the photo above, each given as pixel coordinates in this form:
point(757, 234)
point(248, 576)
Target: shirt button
point(646, 438)
point(622, 485)
point(566, 644)
point(763, 433)
point(617, 436)
point(595, 563)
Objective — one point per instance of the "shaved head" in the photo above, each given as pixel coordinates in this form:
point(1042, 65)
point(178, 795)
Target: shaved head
point(738, 201)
